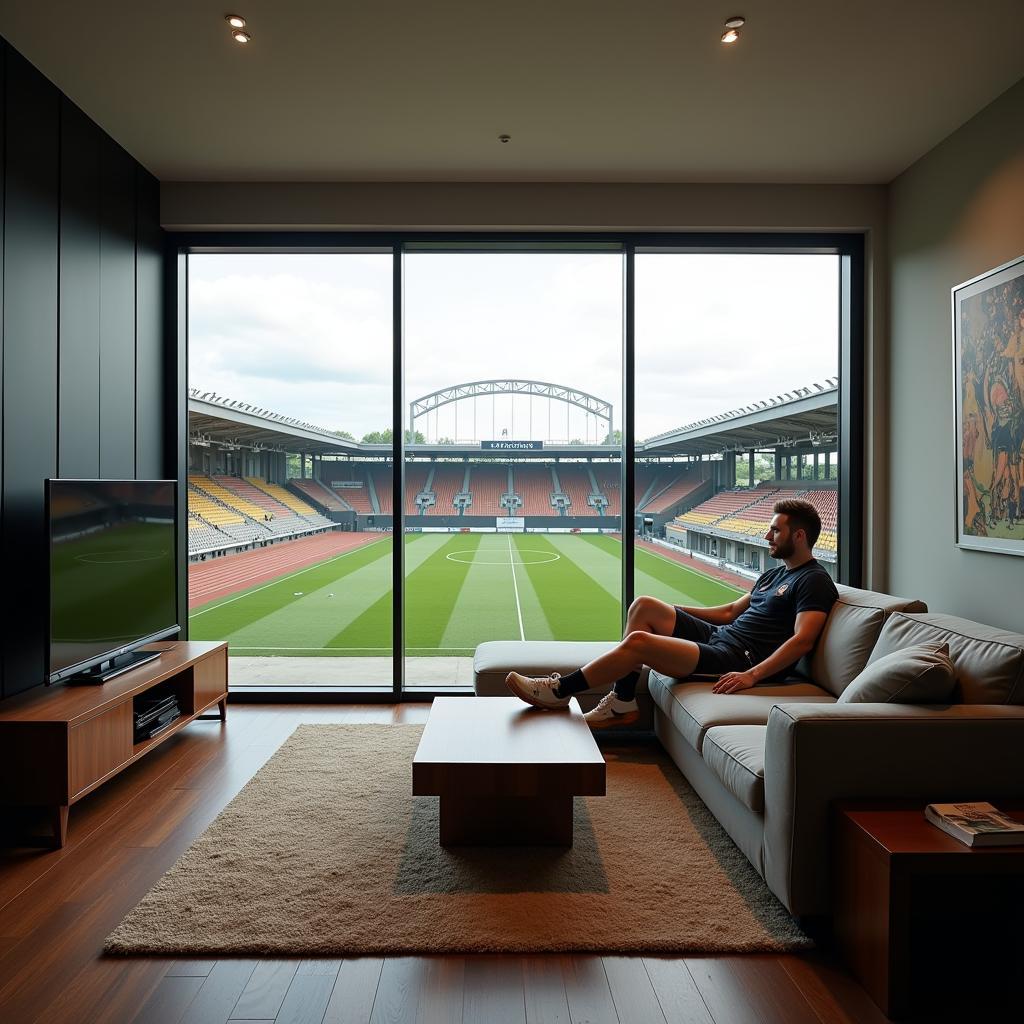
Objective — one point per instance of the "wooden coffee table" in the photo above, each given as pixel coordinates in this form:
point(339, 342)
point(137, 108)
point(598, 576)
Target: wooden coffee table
point(506, 772)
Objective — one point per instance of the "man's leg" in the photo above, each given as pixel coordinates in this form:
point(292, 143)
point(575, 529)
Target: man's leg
point(645, 615)
point(669, 655)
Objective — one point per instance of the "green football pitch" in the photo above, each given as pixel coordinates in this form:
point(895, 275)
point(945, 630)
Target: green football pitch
point(461, 589)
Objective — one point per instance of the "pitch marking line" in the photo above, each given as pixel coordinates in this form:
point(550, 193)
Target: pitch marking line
point(550, 556)
point(515, 586)
point(280, 579)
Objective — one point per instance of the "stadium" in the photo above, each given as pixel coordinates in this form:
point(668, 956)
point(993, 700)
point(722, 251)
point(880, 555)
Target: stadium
point(290, 527)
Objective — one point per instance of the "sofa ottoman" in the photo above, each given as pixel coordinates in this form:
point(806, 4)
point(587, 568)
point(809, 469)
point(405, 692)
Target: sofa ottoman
point(494, 660)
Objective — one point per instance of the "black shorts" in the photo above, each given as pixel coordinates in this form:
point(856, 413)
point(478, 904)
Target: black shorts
point(716, 658)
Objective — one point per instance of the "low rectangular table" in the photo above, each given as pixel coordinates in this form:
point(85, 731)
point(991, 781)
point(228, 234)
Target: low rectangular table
point(506, 772)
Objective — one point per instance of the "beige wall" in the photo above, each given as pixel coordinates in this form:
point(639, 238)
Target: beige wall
point(956, 213)
point(583, 207)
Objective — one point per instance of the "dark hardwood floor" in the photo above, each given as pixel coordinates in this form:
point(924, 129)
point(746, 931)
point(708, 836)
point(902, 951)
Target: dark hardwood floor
point(57, 906)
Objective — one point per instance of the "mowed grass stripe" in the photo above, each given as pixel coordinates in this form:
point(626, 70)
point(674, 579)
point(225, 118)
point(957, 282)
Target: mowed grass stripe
point(599, 557)
point(535, 622)
point(575, 606)
point(432, 596)
point(220, 619)
point(484, 605)
point(312, 617)
point(373, 626)
point(683, 585)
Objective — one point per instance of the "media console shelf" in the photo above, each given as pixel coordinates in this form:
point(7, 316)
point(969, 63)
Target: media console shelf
point(59, 743)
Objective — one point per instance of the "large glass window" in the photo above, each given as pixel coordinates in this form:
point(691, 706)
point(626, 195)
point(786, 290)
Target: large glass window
point(513, 384)
point(524, 370)
point(737, 406)
point(290, 385)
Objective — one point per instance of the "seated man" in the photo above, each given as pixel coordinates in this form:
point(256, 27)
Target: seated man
point(756, 639)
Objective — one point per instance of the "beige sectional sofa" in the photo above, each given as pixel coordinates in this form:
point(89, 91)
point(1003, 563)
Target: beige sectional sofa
point(770, 761)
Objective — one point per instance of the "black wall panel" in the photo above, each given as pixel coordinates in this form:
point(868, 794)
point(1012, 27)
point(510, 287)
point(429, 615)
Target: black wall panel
point(78, 447)
point(117, 311)
point(32, 131)
point(82, 330)
point(3, 134)
point(150, 414)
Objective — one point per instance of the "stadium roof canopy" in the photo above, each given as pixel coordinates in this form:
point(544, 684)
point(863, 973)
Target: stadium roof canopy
point(806, 415)
point(230, 424)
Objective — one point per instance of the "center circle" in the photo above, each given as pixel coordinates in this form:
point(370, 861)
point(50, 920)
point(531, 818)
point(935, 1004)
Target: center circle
point(474, 559)
point(116, 557)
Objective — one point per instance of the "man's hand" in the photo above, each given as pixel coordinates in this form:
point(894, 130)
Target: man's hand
point(733, 682)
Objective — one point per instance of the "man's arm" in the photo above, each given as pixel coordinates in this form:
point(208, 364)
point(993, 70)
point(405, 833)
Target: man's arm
point(723, 614)
point(806, 629)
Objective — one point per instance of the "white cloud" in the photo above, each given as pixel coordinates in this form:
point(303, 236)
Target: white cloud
point(310, 335)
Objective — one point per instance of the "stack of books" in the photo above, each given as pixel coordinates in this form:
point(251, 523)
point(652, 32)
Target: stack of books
point(977, 824)
point(153, 715)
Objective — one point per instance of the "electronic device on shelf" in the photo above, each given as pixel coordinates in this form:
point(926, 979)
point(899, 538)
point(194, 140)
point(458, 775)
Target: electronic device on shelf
point(112, 575)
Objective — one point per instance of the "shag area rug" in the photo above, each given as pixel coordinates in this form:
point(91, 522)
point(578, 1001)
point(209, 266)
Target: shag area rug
point(325, 853)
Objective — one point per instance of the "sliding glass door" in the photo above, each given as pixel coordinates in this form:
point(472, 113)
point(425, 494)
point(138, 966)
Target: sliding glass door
point(737, 385)
point(513, 384)
point(289, 428)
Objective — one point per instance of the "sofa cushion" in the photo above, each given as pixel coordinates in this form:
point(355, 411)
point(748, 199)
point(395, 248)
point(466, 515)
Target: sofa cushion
point(922, 674)
point(849, 635)
point(694, 709)
point(989, 662)
point(735, 753)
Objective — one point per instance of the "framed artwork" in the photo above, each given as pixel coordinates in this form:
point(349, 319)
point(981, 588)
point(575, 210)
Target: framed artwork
point(988, 401)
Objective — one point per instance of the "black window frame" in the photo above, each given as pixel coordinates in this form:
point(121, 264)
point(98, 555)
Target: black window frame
point(848, 246)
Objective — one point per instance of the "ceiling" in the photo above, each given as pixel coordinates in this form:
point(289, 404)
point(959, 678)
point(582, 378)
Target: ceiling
point(589, 90)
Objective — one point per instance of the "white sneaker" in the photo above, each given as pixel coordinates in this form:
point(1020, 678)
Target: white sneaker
point(611, 711)
point(537, 690)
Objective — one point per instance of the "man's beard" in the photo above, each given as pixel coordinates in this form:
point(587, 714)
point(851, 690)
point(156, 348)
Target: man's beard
point(784, 550)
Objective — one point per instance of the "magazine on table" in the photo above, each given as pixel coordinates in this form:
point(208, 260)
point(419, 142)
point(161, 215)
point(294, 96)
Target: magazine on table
point(976, 824)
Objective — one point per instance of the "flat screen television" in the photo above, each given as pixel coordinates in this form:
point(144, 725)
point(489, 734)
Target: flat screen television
point(112, 578)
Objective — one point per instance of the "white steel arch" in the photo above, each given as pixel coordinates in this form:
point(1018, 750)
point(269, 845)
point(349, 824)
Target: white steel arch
point(591, 404)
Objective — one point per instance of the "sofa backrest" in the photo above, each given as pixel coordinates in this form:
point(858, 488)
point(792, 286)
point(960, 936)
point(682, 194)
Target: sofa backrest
point(851, 630)
point(989, 662)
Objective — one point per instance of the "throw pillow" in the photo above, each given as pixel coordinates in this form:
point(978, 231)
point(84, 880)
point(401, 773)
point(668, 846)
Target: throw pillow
point(922, 674)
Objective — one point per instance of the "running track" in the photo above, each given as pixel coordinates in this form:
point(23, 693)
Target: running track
point(219, 577)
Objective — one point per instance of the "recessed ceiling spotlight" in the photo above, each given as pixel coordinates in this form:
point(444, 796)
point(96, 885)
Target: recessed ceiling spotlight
point(504, 138)
point(234, 20)
point(732, 28)
point(241, 36)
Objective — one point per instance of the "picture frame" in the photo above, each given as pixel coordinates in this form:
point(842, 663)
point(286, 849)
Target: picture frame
point(988, 409)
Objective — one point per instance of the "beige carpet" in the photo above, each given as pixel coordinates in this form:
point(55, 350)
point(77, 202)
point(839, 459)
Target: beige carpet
point(326, 853)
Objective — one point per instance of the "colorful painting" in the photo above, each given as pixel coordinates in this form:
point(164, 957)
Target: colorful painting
point(988, 375)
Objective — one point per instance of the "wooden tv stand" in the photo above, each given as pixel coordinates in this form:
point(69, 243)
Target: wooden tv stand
point(59, 743)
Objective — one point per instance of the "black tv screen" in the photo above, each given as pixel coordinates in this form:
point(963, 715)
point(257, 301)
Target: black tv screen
point(112, 569)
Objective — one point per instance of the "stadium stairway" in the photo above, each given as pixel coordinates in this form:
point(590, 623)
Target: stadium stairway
point(277, 517)
point(320, 494)
point(290, 500)
point(448, 481)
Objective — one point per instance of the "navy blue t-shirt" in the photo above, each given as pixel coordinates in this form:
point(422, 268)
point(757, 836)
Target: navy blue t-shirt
point(779, 595)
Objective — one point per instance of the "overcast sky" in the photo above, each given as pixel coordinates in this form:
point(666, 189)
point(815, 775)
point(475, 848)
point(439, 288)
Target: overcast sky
point(310, 335)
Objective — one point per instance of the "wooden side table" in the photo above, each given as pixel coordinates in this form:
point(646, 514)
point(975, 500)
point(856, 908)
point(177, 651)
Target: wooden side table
point(884, 858)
